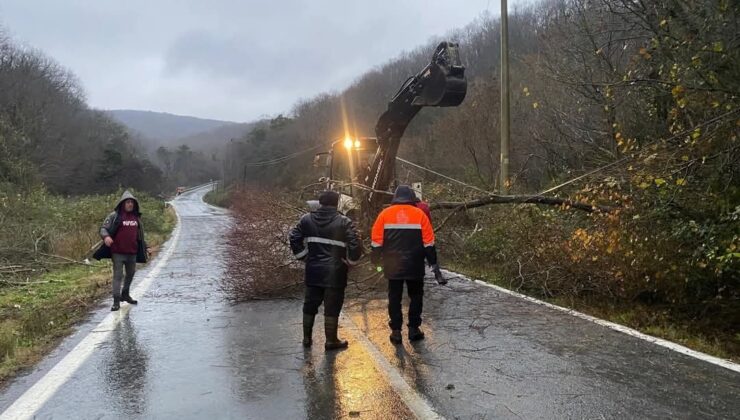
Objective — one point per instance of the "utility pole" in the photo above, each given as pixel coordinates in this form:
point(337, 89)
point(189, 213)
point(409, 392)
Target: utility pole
point(505, 131)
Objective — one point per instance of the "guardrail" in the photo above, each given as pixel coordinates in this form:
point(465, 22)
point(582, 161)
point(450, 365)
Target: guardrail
point(201, 186)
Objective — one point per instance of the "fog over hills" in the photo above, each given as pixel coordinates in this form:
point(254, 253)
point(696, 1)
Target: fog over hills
point(164, 127)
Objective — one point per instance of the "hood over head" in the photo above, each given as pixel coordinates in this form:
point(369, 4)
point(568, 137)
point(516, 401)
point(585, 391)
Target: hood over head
point(404, 195)
point(128, 196)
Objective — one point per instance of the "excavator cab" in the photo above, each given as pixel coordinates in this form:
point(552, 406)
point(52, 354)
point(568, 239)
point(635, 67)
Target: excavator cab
point(343, 168)
point(346, 160)
point(351, 156)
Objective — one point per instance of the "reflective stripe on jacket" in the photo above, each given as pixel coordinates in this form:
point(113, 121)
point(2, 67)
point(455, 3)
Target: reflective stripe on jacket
point(327, 241)
point(403, 237)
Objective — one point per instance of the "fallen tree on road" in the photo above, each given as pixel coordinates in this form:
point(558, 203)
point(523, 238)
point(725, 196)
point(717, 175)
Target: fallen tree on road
point(520, 199)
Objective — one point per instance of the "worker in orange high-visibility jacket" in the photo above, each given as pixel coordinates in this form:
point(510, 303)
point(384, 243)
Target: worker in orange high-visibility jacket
point(402, 238)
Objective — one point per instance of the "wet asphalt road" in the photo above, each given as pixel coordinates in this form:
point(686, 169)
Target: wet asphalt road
point(186, 353)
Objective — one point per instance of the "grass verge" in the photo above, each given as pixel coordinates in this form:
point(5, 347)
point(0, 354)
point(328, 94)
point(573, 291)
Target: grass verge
point(220, 197)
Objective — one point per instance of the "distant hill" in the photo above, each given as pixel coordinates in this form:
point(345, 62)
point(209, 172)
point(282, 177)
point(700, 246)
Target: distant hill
point(162, 127)
point(217, 136)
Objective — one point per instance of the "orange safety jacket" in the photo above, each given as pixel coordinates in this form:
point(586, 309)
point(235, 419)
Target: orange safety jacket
point(403, 237)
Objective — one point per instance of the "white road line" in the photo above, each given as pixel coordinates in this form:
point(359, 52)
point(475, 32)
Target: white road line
point(727, 364)
point(35, 397)
point(413, 400)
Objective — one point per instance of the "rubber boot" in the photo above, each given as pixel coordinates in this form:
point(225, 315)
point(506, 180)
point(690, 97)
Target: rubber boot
point(116, 304)
point(415, 334)
point(308, 329)
point(396, 337)
point(331, 325)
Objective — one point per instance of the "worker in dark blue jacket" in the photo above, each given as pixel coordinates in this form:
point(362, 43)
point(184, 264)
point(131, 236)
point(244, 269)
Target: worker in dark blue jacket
point(328, 243)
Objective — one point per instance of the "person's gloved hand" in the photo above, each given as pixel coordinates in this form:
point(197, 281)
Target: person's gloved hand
point(438, 275)
point(375, 257)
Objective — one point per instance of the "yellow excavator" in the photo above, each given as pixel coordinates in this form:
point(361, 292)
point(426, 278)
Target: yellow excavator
point(362, 170)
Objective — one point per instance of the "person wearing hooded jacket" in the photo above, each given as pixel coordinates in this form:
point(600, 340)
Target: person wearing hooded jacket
point(402, 238)
point(424, 206)
point(123, 242)
point(328, 243)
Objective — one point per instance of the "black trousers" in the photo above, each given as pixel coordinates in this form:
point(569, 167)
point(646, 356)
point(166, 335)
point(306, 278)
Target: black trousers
point(416, 302)
point(333, 298)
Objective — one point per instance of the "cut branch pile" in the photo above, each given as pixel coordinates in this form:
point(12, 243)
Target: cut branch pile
point(260, 263)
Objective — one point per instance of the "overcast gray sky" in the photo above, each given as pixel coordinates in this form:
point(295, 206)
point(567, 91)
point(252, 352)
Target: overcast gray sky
point(226, 59)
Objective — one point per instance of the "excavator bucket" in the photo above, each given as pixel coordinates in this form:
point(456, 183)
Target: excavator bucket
point(443, 82)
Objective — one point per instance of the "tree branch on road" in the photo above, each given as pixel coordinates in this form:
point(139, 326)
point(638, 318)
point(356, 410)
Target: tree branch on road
point(520, 199)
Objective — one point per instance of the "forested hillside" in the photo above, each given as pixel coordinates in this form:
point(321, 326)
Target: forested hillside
point(48, 134)
point(163, 126)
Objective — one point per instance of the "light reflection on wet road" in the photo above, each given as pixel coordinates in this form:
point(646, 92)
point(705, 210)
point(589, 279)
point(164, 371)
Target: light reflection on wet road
point(186, 353)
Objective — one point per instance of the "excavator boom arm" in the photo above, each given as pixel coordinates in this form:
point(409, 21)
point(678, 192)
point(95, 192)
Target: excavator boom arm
point(441, 83)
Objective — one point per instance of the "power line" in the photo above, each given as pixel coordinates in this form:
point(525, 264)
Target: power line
point(457, 181)
point(587, 174)
point(285, 158)
point(291, 156)
point(628, 157)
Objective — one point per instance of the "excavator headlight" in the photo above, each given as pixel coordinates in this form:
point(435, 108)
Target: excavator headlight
point(358, 144)
point(348, 143)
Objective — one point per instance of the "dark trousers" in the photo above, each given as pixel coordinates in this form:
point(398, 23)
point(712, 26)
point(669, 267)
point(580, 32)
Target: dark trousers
point(119, 262)
point(333, 298)
point(416, 298)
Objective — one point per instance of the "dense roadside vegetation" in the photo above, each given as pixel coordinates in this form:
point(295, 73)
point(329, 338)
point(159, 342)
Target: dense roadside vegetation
point(219, 196)
point(646, 94)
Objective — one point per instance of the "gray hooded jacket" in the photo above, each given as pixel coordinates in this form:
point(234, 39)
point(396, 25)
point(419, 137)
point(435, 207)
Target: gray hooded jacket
point(110, 227)
point(112, 222)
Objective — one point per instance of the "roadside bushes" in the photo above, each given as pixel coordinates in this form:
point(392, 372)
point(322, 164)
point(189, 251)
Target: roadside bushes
point(41, 230)
point(626, 255)
point(220, 197)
